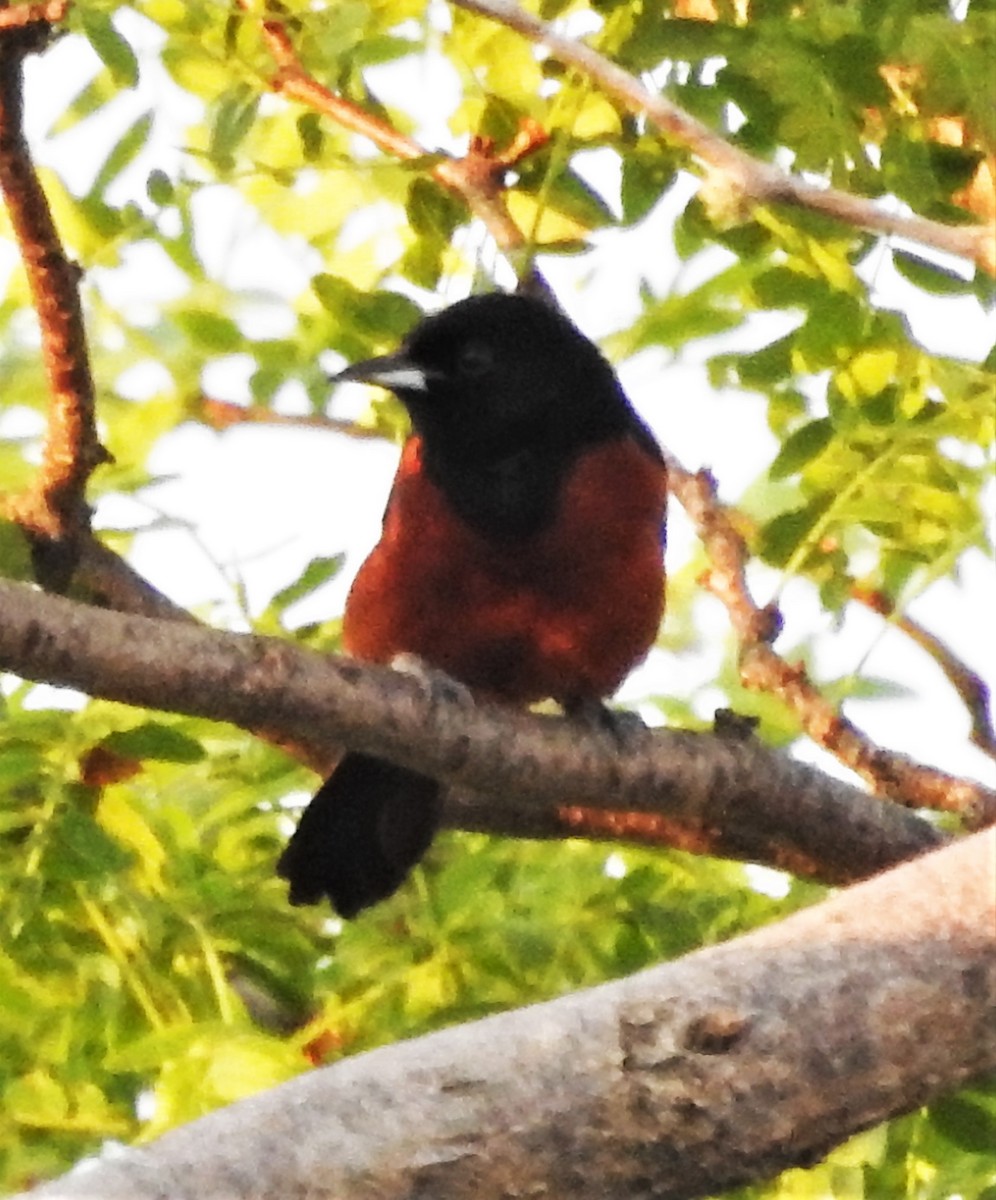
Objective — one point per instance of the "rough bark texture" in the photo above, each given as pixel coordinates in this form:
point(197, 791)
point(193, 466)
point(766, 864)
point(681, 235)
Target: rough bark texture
point(736, 799)
point(724, 1067)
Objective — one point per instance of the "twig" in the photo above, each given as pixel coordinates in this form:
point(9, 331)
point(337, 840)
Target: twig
point(478, 177)
point(973, 691)
point(223, 414)
point(754, 180)
point(20, 16)
point(762, 669)
point(750, 802)
point(53, 510)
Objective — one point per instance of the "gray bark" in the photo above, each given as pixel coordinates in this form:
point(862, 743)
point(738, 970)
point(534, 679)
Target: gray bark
point(724, 1067)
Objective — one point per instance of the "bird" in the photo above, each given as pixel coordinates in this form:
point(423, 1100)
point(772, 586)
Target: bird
point(521, 555)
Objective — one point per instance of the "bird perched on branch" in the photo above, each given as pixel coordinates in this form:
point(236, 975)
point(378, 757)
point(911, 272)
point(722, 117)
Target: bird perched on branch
point(521, 554)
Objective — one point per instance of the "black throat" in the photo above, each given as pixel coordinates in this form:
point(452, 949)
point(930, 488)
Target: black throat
point(507, 497)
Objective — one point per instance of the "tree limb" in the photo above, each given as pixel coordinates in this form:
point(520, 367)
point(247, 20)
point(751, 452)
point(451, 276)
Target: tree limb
point(53, 511)
point(737, 798)
point(723, 1068)
point(752, 179)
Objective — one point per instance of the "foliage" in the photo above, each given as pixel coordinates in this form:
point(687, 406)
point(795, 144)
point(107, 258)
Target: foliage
point(150, 968)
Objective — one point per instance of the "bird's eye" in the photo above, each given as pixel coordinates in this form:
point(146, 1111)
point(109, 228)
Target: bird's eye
point(475, 359)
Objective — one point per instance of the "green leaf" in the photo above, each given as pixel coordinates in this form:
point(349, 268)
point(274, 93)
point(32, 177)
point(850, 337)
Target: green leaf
point(317, 573)
point(965, 1122)
point(432, 211)
point(780, 538)
point(372, 51)
point(112, 49)
point(35, 1100)
point(21, 762)
point(154, 740)
point(233, 117)
point(159, 188)
point(311, 135)
point(654, 40)
point(783, 287)
point(209, 330)
point(127, 148)
point(676, 319)
point(854, 63)
point(15, 552)
point(101, 90)
point(786, 407)
point(759, 369)
point(382, 316)
point(646, 176)
point(567, 196)
point(79, 849)
point(939, 281)
point(802, 447)
point(151, 1050)
point(835, 323)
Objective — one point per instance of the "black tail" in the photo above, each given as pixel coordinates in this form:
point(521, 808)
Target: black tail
point(366, 827)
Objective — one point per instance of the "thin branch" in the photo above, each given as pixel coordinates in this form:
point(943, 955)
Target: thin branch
point(20, 16)
point(974, 692)
point(722, 1068)
point(53, 510)
point(478, 178)
point(751, 803)
point(733, 170)
point(761, 668)
point(223, 414)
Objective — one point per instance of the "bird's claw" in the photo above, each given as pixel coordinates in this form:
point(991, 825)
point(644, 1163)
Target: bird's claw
point(440, 686)
point(622, 725)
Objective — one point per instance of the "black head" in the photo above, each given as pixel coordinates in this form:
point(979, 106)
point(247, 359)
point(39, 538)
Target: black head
point(505, 392)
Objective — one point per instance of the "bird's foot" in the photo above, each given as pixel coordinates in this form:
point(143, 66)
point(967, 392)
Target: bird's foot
point(622, 725)
point(440, 686)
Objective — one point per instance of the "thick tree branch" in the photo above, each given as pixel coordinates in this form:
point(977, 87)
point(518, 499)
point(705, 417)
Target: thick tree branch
point(887, 772)
point(736, 797)
point(733, 169)
point(722, 1068)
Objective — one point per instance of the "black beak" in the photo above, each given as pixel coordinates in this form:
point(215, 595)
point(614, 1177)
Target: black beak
point(396, 372)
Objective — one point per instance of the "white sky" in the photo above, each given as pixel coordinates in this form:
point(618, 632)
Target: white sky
point(244, 491)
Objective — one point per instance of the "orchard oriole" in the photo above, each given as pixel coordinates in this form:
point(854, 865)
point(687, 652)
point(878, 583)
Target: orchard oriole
point(521, 554)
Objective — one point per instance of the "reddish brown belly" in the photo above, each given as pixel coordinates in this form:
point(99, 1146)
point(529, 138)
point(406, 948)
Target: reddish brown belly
point(566, 614)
